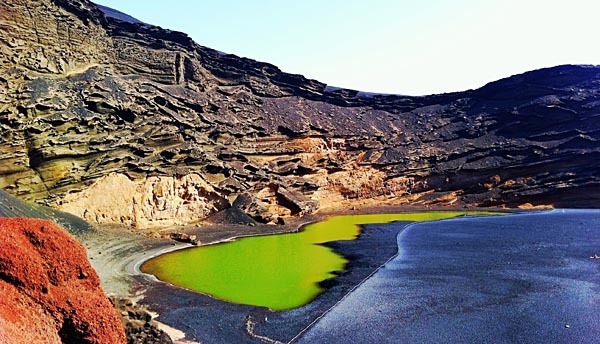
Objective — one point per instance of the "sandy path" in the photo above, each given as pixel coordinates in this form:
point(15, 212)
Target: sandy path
point(114, 252)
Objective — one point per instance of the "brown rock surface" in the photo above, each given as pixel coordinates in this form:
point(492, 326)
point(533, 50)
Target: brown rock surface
point(147, 202)
point(83, 95)
point(139, 324)
point(50, 293)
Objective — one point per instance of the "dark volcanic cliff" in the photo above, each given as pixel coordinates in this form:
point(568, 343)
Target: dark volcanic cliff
point(118, 121)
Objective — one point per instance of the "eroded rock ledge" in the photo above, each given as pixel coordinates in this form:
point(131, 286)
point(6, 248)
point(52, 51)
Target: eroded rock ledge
point(148, 202)
point(83, 96)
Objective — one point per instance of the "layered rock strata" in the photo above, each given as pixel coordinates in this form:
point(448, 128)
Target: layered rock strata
point(87, 100)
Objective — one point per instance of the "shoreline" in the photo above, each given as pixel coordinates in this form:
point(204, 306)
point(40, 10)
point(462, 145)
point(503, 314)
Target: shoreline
point(296, 226)
point(200, 307)
point(434, 304)
point(134, 267)
point(396, 255)
point(120, 268)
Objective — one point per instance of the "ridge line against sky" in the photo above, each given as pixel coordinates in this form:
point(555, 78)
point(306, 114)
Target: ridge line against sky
point(388, 46)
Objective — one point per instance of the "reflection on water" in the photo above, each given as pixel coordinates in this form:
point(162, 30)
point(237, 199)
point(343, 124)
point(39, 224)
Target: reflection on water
point(276, 271)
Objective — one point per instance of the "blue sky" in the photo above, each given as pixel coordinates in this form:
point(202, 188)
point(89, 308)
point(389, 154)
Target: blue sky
point(389, 46)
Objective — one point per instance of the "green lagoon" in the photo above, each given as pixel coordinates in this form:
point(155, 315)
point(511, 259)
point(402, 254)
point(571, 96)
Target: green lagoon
point(280, 271)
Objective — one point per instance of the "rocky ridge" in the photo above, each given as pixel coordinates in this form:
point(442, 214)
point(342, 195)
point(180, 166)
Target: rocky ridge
point(173, 132)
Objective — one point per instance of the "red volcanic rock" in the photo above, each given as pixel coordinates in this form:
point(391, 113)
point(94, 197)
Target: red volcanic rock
point(48, 290)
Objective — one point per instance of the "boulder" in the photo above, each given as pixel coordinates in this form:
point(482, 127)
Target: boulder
point(184, 237)
point(253, 207)
point(295, 201)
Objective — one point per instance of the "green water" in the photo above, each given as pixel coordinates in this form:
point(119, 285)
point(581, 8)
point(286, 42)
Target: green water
point(275, 271)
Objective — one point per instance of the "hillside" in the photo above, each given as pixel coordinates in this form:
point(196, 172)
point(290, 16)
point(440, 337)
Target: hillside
point(121, 121)
point(50, 292)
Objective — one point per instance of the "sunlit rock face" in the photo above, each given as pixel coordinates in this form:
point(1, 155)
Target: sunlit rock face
point(83, 96)
point(149, 202)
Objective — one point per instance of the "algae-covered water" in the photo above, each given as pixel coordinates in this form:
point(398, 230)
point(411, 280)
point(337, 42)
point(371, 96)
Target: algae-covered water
point(276, 271)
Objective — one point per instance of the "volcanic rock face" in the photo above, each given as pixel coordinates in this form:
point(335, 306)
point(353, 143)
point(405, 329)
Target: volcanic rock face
point(153, 202)
point(50, 293)
point(83, 96)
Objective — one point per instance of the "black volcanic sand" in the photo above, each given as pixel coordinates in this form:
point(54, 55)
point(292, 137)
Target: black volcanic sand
point(10, 206)
point(213, 321)
point(509, 279)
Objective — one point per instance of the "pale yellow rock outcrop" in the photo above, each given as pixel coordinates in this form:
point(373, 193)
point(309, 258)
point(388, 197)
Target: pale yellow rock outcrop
point(149, 202)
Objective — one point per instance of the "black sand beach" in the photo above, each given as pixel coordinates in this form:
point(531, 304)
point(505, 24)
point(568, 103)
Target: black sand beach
point(510, 279)
point(464, 279)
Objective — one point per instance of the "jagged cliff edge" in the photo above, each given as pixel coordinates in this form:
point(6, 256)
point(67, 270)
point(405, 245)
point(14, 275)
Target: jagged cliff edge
point(126, 122)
